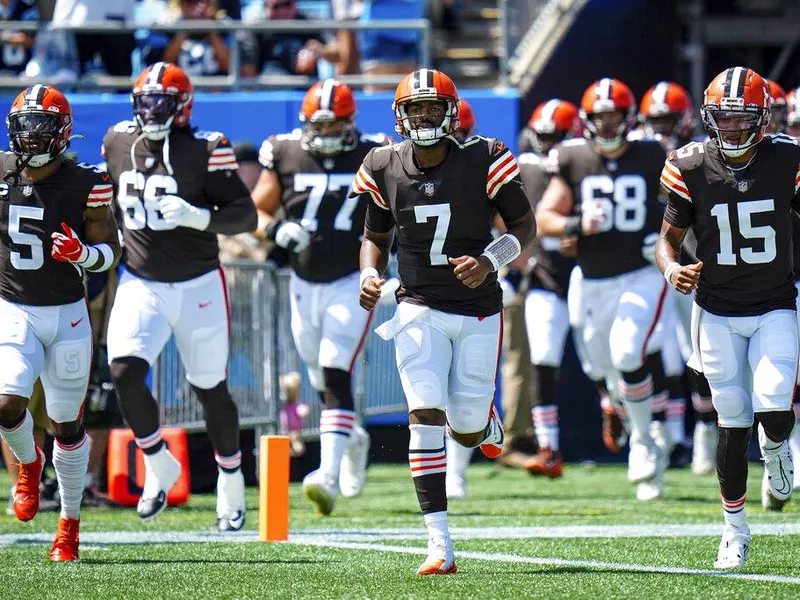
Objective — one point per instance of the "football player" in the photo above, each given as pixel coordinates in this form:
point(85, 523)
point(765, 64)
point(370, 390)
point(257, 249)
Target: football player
point(176, 188)
point(546, 317)
point(744, 324)
point(308, 173)
point(666, 114)
point(779, 109)
point(440, 196)
point(467, 121)
point(55, 224)
point(605, 189)
point(793, 128)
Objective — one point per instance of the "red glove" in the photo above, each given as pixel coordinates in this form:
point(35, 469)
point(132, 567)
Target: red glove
point(68, 248)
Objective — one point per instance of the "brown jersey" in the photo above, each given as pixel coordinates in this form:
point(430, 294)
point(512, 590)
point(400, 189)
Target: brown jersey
point(551, 270)
point(440, 213)
point(626, 189)
point(200, 167)
point(29, 214)
point(743, 223)
point(796, 245)
point(314, 192)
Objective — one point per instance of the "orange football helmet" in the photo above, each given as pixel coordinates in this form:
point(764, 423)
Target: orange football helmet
point(162, 97)
point(666, 110)
point(793, 111)
point(328, 102)
point(605, 96)
point(466, 120)
point(551, 122)
point(736, 110)
point(39, 125)
point(777, 121)
point(426, 85)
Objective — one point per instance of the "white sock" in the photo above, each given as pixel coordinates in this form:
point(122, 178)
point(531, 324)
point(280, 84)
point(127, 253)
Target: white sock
point(458, 458)
point(638, 399)
point(158, 465)
point(545, 425)
point(437, 525)
point(20, 439)
point(335, 426)
point(71, 463)
point(734, 513)
point(676, 409)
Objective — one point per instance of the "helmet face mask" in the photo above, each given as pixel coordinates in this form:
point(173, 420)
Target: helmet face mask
point(328, 115)
point(328, 137)
point(735, 131)
point(155, 113)
point(33, 133)
point(544, 142)
point(608, 129)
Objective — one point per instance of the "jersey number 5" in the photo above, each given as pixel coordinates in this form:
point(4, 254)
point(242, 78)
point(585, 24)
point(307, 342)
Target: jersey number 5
point(440, 212)
point(139, 213)
point(15, 215)
point(745, 211)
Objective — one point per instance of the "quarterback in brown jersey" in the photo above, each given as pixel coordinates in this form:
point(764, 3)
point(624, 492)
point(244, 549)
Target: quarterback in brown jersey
point(605, 189)
point(55, 225)
point(307, 174)
point(738, 191)
point(176, 189)
point(439, 195)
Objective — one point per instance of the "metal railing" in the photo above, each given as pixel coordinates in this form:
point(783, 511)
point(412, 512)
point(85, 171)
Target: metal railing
point(234, 80)
point(262, 349)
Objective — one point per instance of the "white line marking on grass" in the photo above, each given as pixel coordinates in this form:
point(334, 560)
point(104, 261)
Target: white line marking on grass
point(587, 564)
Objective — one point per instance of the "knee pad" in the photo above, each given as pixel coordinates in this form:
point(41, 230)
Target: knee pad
point(208, 360)
point(626, 359)
point(338, 389)
point(468, 414)
point(317, 378)
point(777, 424)
point(64, 410)
point(733, 407)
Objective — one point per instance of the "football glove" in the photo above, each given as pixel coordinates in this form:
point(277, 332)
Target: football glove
point(67, 247)
point(178, 212)
point(288, 234)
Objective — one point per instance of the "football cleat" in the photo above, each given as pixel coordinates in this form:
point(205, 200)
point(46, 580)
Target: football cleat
point(230, 501)
point(161, 472)
point(440, 559)
point(778, 466)
point(653, 488)
point(768, 501)
point(733, 548)
point(353, 470)
point(321, 490)
point(26, 494)
point(548, 463)
point(492, 445)
point(65, 546)
point(704, 453)
point(234, 522)
point(642, 460)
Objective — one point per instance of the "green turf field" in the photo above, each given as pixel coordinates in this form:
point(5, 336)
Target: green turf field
point(584, 536)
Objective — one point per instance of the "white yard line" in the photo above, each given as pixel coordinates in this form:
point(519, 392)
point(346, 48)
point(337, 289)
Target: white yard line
point(586, 564)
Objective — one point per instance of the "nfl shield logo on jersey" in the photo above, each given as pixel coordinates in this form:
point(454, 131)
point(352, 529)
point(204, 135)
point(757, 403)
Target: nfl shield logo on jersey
point(428, 188)
point(743, 185)
point(27, 190)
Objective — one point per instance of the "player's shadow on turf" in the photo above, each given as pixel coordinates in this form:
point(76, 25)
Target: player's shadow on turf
point(203, 561)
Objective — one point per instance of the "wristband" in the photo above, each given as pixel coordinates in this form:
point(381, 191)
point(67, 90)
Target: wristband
point(367, 273)
point(502, 251)
point(671, 268)
point(572, 226)
point(272, 229)
point(98, 258)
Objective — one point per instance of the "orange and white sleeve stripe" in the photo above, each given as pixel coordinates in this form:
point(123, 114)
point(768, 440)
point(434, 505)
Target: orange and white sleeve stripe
point(222, 158)
point(501, 171)
point(797, 180)
point(100, 195)
point(672, 179)
point(365, 184)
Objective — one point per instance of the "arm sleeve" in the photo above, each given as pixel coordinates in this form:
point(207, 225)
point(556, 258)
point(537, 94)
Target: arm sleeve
point(378, 219)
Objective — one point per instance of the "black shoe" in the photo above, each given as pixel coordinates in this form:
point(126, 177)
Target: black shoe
point(96, 499)
point(233, 522)
point(149, 508)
